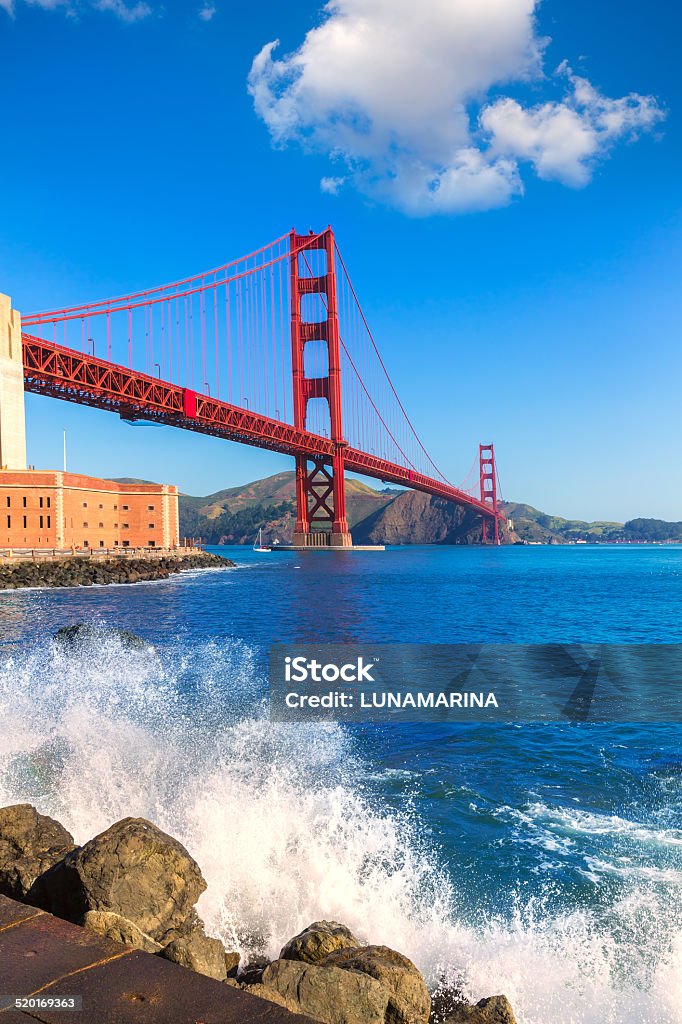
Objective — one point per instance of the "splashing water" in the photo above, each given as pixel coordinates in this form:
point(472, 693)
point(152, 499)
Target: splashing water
point(288, 826)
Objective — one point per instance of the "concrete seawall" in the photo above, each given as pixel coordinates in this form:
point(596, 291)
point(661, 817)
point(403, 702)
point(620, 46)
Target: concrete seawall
point(43, 958)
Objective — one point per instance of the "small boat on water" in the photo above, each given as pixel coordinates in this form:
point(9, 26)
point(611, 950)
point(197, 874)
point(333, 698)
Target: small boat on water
point(258, 542)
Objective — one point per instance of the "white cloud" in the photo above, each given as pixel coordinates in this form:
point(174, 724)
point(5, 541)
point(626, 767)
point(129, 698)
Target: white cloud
point(332, 185)
point(470, 181)
point(563, 140)
point(400, 94)
point(207, 12)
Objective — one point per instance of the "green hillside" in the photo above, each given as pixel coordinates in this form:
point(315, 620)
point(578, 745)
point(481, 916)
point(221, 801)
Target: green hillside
point(235, 514)
point(532, 525)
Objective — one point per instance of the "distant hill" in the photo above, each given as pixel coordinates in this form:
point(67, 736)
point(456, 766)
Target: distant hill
point(652, 530)
point(532, 525)
point(234, 515)
point(392, 516)
point(130, 480)
point(416, 518)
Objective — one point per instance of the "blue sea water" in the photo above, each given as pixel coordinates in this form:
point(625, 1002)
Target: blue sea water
point(543, 861)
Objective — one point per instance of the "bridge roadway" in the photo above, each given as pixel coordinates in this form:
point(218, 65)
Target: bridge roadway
point(51, 369)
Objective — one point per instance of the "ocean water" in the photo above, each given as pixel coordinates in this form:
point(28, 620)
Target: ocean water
point(542, 861)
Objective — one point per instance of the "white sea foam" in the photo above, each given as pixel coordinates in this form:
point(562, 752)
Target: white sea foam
point(287, 827)
point(573, 820)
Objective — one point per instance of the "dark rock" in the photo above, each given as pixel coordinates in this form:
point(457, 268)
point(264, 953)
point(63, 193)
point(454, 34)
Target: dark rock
point(199, 953)
point(133, 869)
point(30, 843)
point(416, 518)
point(493, 1010)
point(409, 999)
point(252, 973)
point(84, 633)
point(84, 572)
point(445, 999)
point(317, 941)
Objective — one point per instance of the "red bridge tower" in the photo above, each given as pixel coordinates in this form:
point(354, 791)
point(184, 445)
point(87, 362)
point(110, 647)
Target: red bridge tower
point(486, 454)
point(320, 493)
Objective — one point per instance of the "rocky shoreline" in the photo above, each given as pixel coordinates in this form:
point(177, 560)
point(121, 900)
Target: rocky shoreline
point(87, 572)
point(136, 885)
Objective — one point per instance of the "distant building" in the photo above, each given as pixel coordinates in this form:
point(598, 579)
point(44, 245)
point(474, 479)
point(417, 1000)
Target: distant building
point(45, 509)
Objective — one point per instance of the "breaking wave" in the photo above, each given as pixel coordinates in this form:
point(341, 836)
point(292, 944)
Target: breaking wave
point(288, 825)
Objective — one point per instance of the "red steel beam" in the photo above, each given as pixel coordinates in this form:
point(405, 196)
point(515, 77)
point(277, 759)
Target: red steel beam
point(60, 372)
point(391, 472)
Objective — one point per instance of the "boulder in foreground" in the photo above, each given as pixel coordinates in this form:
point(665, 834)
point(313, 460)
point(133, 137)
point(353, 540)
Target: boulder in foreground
point(133, 869)
point(136, 885)
point(409, 999)
point(317, 941)
point(30, 843)
point(328, 994)
point(349, 985)
point(199, 953)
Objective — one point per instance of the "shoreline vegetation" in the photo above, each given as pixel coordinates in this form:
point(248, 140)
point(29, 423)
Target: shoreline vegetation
point(133, 884)
point(82, 571)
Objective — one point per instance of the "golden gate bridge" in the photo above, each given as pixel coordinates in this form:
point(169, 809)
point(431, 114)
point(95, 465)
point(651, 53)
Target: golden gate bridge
point(271, 350)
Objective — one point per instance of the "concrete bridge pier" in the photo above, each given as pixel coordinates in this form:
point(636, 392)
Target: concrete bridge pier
point(12, 416)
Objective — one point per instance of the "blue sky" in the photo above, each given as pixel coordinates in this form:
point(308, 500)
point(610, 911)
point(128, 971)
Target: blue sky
point(534, 301)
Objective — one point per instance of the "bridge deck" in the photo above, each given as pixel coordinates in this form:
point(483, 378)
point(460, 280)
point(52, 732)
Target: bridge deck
point(51, 369)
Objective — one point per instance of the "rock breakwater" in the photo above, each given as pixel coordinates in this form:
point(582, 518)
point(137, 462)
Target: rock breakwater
point(77, 571)
point(136, 885)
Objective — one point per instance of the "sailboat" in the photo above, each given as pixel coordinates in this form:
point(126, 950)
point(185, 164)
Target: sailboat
point(258, 542)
